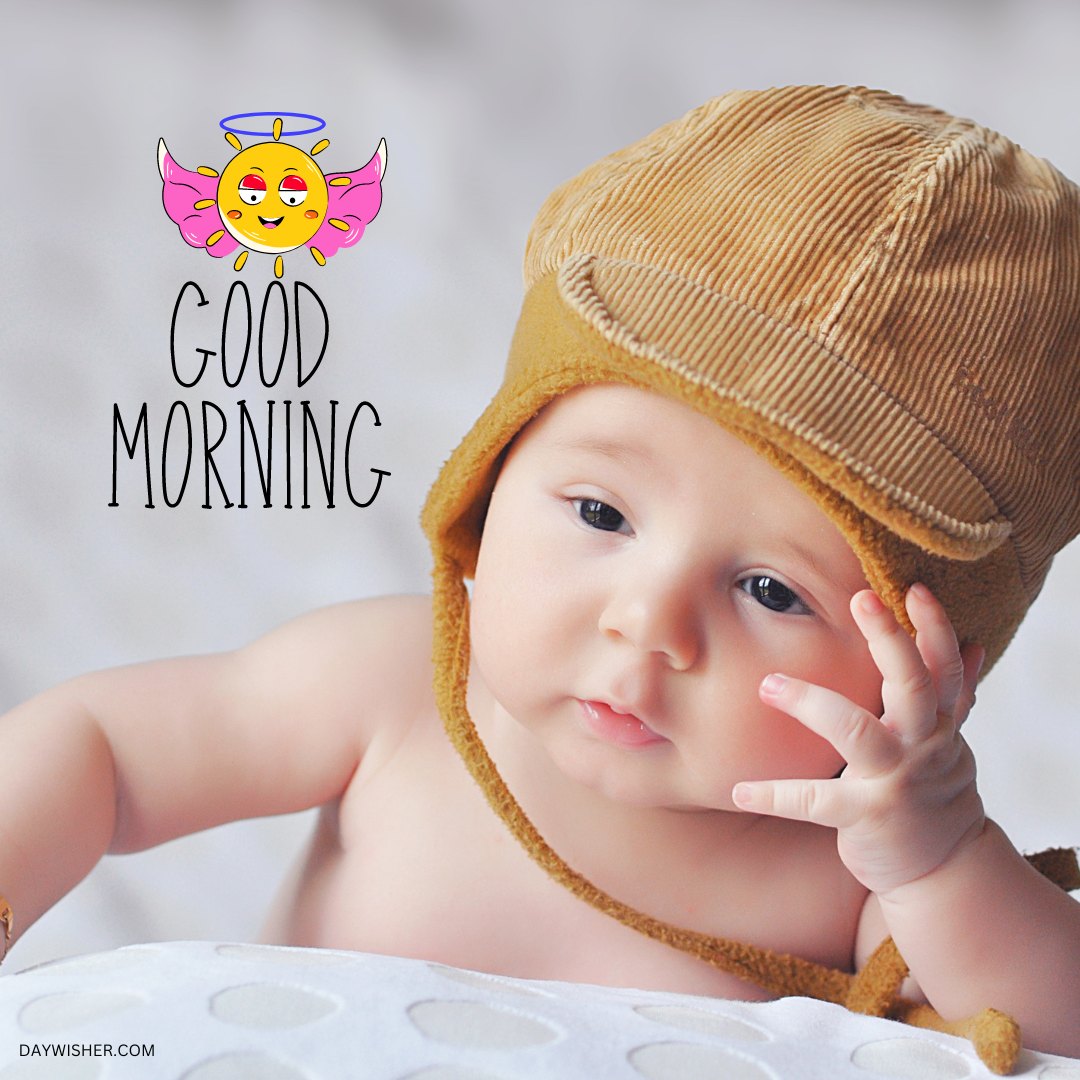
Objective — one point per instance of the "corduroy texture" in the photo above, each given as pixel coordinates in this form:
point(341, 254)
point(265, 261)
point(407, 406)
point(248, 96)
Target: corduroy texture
point(881, 299)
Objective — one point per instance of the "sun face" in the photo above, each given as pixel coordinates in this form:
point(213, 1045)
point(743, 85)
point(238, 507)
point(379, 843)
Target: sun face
point(272, 197)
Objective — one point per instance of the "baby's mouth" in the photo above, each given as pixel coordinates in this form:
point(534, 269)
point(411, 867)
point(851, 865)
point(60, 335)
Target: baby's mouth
point(623, 729)
point(271, 222)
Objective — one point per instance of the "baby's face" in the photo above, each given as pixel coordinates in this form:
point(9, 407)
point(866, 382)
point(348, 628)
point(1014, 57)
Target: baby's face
point(641, 571)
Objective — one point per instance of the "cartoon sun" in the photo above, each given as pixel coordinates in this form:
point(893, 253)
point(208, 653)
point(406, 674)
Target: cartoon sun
point(271, 197)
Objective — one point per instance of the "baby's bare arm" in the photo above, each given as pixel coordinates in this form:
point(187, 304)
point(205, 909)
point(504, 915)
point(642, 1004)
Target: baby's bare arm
point(124, 759)
point(986, 929)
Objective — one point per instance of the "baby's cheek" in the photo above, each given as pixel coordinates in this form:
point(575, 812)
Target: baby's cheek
point(484, 621)
point(848, 669)
point(790, 751)
point(501, 639)
point(859, 679)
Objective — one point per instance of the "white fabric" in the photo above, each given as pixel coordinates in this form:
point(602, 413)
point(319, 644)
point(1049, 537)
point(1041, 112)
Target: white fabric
point(232, 1012)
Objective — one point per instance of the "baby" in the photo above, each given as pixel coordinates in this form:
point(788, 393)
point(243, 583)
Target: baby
point(786, 444)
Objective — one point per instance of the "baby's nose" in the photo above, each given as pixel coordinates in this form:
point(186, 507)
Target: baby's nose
point(655, 617)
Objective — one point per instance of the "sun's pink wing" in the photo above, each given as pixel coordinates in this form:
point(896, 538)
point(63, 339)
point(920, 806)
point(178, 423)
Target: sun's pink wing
point(180, 191)
point(356, 204)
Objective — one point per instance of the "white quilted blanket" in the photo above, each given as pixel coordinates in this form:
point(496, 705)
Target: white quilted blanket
point(204, 1011)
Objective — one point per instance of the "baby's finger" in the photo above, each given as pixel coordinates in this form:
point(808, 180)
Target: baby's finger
point(936, 641)
point(858, 736)
point(973, 657)
point(834, 804)
point(907, 691)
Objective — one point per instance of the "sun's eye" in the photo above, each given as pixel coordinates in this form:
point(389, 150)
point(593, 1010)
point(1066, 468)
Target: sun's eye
point(774, 595)
point(293, 190)
point(598, 515)
point(252, 189)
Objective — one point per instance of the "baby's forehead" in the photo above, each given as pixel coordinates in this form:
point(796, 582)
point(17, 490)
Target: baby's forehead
point(610, 404)
point(657, 437)
point(604, 416)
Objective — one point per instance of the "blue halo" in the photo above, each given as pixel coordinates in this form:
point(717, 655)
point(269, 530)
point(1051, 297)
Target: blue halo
point(320, 123)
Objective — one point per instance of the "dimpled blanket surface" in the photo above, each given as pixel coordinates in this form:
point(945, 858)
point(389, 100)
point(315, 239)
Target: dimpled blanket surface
point(205, 1011)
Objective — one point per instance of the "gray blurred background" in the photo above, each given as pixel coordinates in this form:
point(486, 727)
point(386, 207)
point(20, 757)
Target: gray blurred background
point(485, 106)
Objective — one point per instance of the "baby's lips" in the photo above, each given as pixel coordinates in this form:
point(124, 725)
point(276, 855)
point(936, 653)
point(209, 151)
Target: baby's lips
point(624, 728)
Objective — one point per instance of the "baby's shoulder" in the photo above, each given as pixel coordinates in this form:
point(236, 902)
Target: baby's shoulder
point(379, 641)
point(376, 622)
point(358, 663)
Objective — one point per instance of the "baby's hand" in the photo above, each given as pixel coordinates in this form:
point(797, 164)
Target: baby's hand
point(906, 802)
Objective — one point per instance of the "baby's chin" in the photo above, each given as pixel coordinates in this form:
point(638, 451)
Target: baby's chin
point(634, 785)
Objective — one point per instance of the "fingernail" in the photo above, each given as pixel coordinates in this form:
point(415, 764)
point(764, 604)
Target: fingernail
point(741, 795)
point(871, 603)
point(921, 592)
point(773, 684)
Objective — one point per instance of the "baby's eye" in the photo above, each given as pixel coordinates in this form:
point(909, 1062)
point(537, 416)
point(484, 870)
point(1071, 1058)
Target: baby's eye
point(774, 595)
point(599, 515)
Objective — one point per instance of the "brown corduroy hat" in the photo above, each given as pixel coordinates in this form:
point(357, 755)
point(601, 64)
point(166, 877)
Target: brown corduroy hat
point(880, 298)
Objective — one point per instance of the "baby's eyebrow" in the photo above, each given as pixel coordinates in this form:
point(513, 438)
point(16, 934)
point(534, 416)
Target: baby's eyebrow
point(808, 557)
point(616, 449)
point(828, 576)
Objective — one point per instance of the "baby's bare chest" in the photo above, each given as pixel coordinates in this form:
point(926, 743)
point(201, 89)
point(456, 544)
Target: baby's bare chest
point(414, 862)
